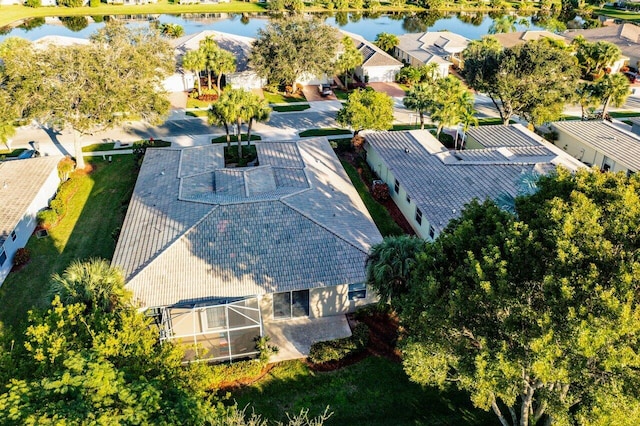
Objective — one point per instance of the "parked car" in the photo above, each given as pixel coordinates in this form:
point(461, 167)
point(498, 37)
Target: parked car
point(633, 77)
point(325, 90)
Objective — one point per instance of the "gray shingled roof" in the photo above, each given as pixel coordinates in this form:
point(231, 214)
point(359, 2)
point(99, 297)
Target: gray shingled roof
point(294, 222)
point(499, 136)
point(240, 46)
point(20, 183)
point(623, 147)
point(372, 55)
point(441, 182)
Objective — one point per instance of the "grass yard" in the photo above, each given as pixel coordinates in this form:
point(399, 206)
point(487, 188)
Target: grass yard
point(373, 392)
point(198, 113)
point(618, 14)
point(291, 108)
point(94, 213)
point(624, 114)
point(109, 146)
point(380, 215)
point(279, 98)
point(400, 127)
point(324, 132)
point(197, 103)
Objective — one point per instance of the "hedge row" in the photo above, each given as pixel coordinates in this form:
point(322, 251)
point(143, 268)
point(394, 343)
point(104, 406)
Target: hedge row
point(334, 350)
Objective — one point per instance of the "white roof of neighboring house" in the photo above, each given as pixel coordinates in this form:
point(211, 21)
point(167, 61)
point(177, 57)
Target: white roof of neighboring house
point(195, 230)
point(606, 138)
point(372, 54)
point(55, 40)
point(432, 46)
point(512, 39)
point(625, 36)
point(20, 183)
point(441, 182)
point(238, 45)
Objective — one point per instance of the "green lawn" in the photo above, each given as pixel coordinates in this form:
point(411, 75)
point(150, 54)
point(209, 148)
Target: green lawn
point(198, 113)
point(95, 211)
point(324, 132)
point(618, 14)
point(342, 95)
point(197, 103)
point(13, 13)
point(400, 127)
point(10, 153)
point(372, 392)
point(279, 98)
point(380, 215)
point(109, 146)
point(623, 114)
point(234, 139)
point(291, 108)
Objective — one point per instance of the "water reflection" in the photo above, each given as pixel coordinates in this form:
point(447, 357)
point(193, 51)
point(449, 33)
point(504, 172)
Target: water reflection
point(368, 24)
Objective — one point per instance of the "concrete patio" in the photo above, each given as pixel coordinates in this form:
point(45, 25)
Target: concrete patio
point(295, 337)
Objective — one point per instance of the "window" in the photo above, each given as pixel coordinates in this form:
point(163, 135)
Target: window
point(291, 304)
point(13, 235)
point(396, 186)
point(3, 256)
point(418, 216)
point(216, 317)
point(408, 199)
point(432, 232)
point(357, 291)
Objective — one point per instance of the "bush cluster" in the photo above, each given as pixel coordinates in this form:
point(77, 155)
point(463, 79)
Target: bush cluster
point(380, 191)
point(334, 350)
point(22, 257)
point(58, 206)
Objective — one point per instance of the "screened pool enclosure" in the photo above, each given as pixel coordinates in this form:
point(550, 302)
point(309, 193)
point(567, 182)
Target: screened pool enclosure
point(219, 330)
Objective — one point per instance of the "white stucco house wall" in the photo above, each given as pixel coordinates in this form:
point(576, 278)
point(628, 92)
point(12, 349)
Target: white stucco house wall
point(431, 184)
point(215, 254)
point(26, 187)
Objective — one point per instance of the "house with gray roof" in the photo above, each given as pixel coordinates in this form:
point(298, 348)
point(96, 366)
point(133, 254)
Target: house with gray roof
point(431, 184)
point(508, 40)
point(377, 65)
point(26, 187)
point(600, 143)
point(439, 47)
point(214, 253)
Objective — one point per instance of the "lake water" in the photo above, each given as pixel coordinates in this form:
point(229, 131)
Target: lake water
point(248, 26)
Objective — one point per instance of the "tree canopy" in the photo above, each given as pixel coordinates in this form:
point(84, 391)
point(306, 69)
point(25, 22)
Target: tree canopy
point(535, 314)
point(367, 109)
point(288, 48)
point(533, 79)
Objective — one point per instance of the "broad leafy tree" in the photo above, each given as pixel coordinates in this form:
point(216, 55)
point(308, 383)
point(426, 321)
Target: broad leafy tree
point(533, 80)
point(367, 109)
point(386, 41)
point(348, 60)
point(286, 49)
point(535, 314)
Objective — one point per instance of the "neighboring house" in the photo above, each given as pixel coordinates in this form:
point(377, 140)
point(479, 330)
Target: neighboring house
point(214, 253)
point(244, 77)
point(625, 36)
point(600, 144)
point(431, 184)
point(635, 125)
point(441, 47)
point(378, 65)
point(43, 43)
point(508, 40)
point(26, 186)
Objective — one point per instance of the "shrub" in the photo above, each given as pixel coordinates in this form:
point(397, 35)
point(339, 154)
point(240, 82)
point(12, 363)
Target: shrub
point(47, 218)
point(299, 88)
point(94, 3)
point(22, 257)
point(334, 350)
point(65, 167)
point(357, 143)
point(380, 191)
point(33, 3)
point(58, 206)
point(233, 372)
point(265, 349)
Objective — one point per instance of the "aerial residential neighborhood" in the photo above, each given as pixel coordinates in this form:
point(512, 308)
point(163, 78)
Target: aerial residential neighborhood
point(318, 213)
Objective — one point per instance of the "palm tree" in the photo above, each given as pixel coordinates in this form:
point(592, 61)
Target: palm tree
point(588, 97)
point(348, 60)
point(613, 90)
point(194, 61)
point(506, 24)
point(390, 264)
point(220, 114)
point(451, 101)
point(386, 41)
point(419, 98)
point(467, 118)
point(93, 283)
point(257, 110)
point(209, 49)
point(223, 62)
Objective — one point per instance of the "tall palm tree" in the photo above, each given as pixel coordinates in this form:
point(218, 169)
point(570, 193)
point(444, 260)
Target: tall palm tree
point(614, 90)
point(348, 60)
point(386, 41)
point(223, 62)
point(194, 61)
point(467, 118)
point(420, 98)
point(257, 110)
point(209, 49)
point(390, 264)
point(451, 100)
point(93, 283)
point(506, 24)
point(221, 114)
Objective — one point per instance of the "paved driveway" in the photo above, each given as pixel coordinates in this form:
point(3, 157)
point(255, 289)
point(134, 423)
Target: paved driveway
point(312, 94)
point(391, 89)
